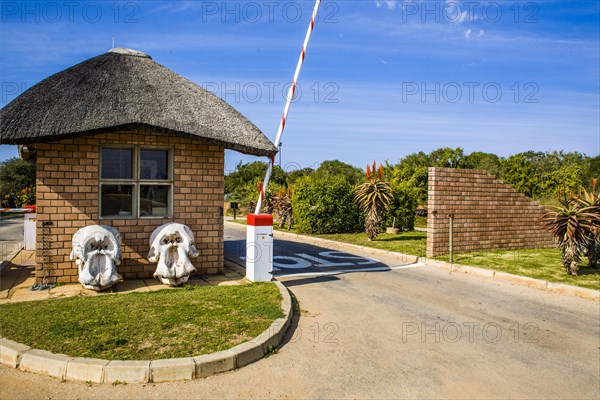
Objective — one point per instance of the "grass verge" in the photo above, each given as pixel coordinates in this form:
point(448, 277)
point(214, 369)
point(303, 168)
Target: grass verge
point(11, 215)
point(240, 221)
point(542, 264)
point(141, 326)
point(413, 243)
point(420, 222)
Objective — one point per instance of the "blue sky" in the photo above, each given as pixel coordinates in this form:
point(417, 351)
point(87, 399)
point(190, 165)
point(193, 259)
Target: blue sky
point(382, 79)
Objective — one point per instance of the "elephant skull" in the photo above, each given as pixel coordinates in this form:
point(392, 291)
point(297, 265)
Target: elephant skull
point(171, 245)
point(97, 252)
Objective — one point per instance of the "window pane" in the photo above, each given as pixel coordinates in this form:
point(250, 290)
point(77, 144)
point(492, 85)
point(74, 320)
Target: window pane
point(154, 201)
point(154, 164)
point(117, 163)
point(117, 201)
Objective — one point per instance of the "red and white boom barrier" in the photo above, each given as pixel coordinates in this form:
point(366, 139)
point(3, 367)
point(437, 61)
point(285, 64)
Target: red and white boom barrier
point(288, 103)
point(259, 232)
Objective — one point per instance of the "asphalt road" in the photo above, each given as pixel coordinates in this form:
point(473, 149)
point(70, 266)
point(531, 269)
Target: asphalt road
point(11, 236)
point(297, 258)
point(417, 332)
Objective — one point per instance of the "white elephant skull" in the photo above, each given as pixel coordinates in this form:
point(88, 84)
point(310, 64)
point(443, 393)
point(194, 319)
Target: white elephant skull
point(97, 252)
point(171, 245)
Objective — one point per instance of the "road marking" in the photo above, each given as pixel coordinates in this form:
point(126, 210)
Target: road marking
point(343, 271)
point(413, 265)
point(304, 261)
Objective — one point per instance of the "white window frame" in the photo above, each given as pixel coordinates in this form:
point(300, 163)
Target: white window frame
point(137, 182)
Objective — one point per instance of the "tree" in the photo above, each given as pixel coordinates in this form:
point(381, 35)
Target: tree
point(402, 208)
point(564, 179)
point(335, 167)
point(373, 197)
point(241, 185)
point(542, 175)
point(520, 172)
point(412, 171)
point(293, 176)
point(17, 182)
point(483, 161)
point(446, 157)
point(536, 174)
point(591, 170)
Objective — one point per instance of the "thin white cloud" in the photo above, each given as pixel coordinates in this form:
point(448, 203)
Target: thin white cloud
point(176, 7)
point(389, 4)
point(454, 14)
point(468, 33)
point(481, 33)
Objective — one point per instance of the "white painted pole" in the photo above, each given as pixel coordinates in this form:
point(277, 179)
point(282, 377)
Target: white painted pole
point(288, 103)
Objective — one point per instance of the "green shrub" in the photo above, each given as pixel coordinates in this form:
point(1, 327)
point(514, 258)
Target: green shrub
point(325, 204)
point(403, 207)
point(17, 183)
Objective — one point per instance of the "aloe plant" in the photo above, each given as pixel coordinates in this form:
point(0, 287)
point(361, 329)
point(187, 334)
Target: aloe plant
point(373, 197)
point(282, 208)
point(575, 224)
point(591, 202)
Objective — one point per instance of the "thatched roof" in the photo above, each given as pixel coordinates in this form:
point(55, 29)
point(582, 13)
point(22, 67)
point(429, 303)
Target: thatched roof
point(125, 89)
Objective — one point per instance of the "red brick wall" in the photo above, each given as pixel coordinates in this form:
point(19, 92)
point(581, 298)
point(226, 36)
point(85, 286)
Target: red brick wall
point(68, 196)
point(488, 215)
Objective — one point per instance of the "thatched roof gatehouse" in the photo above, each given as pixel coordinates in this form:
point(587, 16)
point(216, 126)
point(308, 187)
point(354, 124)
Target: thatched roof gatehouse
point(123, 141)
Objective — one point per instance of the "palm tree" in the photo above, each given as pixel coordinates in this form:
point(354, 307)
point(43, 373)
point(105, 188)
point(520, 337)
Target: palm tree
point(373, 197)
point(574, 227)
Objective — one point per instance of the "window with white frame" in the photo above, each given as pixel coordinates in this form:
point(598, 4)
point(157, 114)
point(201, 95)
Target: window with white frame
point(136, 182)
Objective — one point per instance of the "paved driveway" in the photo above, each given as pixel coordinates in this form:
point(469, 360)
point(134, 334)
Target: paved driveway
point(11, 237)
point(401, 333)
point(299, 258)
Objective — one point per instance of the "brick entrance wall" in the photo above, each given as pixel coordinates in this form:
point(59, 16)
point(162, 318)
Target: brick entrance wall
point(68, 197)
point(488, 214)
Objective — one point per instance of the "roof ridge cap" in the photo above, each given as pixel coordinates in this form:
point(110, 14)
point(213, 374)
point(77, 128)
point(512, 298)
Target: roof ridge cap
point(129, 52)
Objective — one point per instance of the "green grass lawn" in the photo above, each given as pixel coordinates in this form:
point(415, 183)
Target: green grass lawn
point(405, 242)
point(241, 221)
point(536, 263)
point(10, 215)
point(141, 326)
point(420, 222)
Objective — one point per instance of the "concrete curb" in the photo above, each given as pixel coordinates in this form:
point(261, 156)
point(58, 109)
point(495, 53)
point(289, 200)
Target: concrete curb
point(215, 363)
point(86, 369)
point(11, 352)
point(16, 355)
point(44, 362)
point(561, 288)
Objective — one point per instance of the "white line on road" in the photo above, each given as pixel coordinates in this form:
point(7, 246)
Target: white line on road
point(343, 271)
